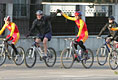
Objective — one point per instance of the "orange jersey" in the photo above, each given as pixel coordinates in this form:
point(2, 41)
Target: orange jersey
point(83, 31)
point(14, 32)
point(12, 27)
point(114, 29)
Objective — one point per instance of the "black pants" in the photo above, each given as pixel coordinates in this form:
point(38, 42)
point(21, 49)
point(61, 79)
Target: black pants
point(13, 46)
point(80, 44)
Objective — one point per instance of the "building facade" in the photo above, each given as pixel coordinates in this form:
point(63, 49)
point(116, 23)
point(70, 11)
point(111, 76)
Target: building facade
point(95, 14)
point(6, 7)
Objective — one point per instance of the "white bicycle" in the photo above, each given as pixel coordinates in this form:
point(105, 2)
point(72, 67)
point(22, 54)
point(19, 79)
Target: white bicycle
point(31, 56)
point(6, 50)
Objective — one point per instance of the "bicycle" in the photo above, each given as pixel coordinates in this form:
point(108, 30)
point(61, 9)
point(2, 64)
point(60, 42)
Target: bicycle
point(68, 56)
point(31, 56)
point(103, 53)
point(6, 50)
point(113, 58)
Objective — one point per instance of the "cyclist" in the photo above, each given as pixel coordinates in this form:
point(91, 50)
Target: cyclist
point(43, 24)
point(82, 35)
point(113, 35)
point(14, 32)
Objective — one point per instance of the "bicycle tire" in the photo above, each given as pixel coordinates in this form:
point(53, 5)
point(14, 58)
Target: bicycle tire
point(101, 61)
point(63, 62)
point(27, 55)
point(84, 62)
point(4, 55)
point(50, 58)
point(113, 55)
point(23, 56)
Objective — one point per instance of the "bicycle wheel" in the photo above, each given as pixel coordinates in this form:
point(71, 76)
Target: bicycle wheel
point(102, 55)
point(2, 56)
point(88, 59)
point(67, 58)
point(113, 60)
point(30, 58)
point(19, 58)
point(51, 60)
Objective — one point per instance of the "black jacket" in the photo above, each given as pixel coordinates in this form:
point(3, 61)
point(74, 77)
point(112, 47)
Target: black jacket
point(43, 25)
point(111, 33)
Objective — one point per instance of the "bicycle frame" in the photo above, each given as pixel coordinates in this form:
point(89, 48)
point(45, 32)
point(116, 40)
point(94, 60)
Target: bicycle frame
point(4, 46)
point(37, 49)
point(71, 47)
point(107, 46)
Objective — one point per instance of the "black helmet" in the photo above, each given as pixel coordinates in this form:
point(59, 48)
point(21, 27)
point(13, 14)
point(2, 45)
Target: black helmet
point(111, 18)
point(39, 12)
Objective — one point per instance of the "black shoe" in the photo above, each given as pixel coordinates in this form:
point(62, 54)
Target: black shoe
point(44, 57)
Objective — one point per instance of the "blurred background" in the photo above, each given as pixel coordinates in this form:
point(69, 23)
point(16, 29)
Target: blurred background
point(95, 14)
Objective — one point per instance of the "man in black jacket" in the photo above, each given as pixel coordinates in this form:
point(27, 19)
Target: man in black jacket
point(43, 25)
point(113, 35)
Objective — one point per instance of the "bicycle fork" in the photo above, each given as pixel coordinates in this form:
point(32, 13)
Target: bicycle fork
point(69, 52)
point(31, 52)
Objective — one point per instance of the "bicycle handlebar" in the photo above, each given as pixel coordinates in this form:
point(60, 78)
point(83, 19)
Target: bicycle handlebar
point(105, 37)
point(3, 39)
point(71, 39)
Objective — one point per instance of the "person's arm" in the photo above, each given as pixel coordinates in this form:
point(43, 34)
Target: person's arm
point(67, 17)
point(52, 16)
point(103, 29)
point(13, 28)
point(3, 28)
point(81, 27)
point(114, 29)
point(32, 28)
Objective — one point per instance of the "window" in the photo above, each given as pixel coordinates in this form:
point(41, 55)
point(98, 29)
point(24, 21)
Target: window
point(98, 1)
point(21, 8)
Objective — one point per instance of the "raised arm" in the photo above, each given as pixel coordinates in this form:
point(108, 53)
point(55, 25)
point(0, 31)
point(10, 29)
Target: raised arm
point(33, 27)
point(3, 28)
point(103, 29)
point(67, 17)
point(53, 15)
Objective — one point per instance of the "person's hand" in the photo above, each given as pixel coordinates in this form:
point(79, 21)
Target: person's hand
point(8, 39)
point(98, 37)
point(59, 11)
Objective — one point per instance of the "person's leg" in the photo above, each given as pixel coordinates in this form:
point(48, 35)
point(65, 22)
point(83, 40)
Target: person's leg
point(45, 40)
point(47, 37)
point(108, 40)
point(15, 40)
point(80, 43)
point(75, 45)
point(37, 42)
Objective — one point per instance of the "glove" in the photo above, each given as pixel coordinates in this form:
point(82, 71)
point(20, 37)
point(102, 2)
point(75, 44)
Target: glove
point(59, 11)
point(8, 39)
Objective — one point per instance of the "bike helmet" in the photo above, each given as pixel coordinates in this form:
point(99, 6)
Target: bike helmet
point(7, 18)
point(111, 18)
point(78, 13)
point(39, 12)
